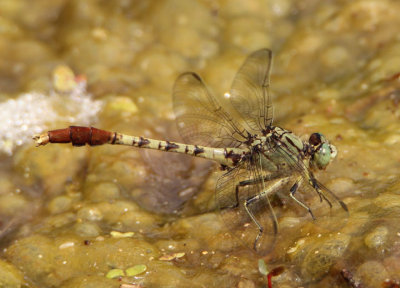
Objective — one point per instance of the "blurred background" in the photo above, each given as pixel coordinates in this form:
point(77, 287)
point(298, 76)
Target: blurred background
point(112, 64)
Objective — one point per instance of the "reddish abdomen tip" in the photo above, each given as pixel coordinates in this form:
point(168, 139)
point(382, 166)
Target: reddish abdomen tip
point(79, 136)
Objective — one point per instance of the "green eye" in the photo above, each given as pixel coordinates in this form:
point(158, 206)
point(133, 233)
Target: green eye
point(322, 156)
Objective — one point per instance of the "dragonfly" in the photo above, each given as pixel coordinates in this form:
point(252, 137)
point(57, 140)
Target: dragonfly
point(257, 157)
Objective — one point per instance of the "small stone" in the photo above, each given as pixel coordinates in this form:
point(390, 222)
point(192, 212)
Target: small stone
point(116, 234)
point(66, 245)
point(246, 283)
point(87, 229)
point(104, 191)
point(90, 213)
point(10, 276)
point(122, 104)
point(377, 238)
point(59, 205)
point(64, 79)
point(373, 273)
point(323, 255)
point(173, 256)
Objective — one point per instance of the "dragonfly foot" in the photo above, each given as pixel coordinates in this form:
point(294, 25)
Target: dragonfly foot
point(344, 206)
point(258, 238)
point(312, 214)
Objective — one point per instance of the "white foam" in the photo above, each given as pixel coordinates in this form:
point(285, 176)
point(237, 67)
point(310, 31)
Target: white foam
point(34, 112)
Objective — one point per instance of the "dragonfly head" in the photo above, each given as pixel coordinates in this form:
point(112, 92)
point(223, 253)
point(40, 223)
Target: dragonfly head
point(321, 151)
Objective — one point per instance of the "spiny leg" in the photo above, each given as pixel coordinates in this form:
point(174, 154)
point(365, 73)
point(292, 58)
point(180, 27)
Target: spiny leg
point(255, 198)
point(293, 190)
point(246, 203)
point(269, 177)
point(317, 186)
point(313, 182)
point(242, 184)
point(321, 194)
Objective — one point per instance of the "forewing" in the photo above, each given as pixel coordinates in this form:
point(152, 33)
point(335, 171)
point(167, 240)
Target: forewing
point(200, 119)
point(249, 94)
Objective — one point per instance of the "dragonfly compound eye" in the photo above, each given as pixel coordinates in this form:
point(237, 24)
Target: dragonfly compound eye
point(322, 156)
point(315, 139)
point(322, 151)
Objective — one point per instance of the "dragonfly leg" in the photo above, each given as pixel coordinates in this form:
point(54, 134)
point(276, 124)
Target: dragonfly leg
point(252, 182)
point(242, 184)
point(246, 203)
point(293, 191)
point(237, 191)
point(253, 199)
point(319, 191)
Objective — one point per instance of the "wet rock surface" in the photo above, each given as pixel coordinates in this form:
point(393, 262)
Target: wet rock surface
point(336, 71)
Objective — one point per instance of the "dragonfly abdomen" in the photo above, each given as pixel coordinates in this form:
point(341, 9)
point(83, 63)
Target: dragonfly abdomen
point(224, 156)
point(79, 136)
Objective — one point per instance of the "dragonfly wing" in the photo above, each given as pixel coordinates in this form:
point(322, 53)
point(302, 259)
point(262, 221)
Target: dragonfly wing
point(200, 118)
point(250, 95)
point(234, 188)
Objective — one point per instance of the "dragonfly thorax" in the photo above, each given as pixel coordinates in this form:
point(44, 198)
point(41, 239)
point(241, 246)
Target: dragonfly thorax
point(286, 139)
point(279, 149)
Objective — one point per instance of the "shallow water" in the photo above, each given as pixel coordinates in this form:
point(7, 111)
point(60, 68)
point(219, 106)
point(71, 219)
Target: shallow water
point(335, 71)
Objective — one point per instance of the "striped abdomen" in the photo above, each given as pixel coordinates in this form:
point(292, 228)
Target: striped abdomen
point(80, 136)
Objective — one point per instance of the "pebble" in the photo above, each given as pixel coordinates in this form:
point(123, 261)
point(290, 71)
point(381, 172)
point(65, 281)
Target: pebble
point(87, 229)
point(322, 255)
point(377, 238)
point(10, 276)
point(59, 204)
point(372, 273)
